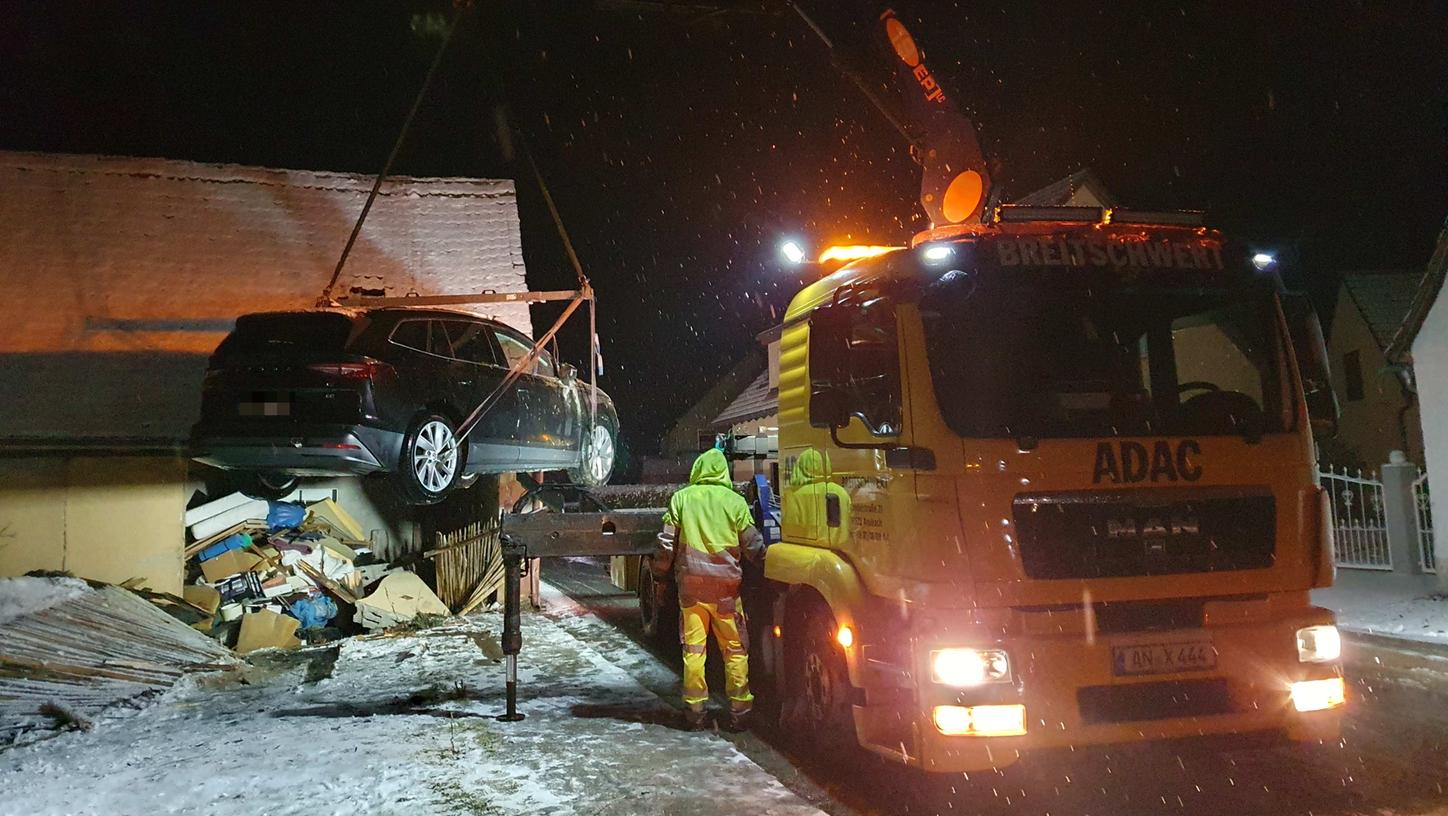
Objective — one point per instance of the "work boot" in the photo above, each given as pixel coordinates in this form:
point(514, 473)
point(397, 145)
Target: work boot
point(738, 721)
point(694, 718)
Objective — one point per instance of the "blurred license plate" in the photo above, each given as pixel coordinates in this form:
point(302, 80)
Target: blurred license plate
point(1164, 658)
point(265, 407)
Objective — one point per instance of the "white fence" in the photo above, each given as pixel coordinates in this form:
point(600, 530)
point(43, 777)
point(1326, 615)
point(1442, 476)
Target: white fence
point(1425, 522)
point(1360, 529)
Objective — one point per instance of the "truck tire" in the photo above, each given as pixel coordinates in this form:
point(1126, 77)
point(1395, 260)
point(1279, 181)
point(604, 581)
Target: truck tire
point(658, 608)
point(819, 695)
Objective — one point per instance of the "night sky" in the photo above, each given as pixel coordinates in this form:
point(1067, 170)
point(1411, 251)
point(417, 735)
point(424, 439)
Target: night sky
point(681, 146)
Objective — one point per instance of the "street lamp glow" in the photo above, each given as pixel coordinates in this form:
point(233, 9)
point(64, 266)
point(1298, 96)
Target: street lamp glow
point(792, 252)
point(1263, 261)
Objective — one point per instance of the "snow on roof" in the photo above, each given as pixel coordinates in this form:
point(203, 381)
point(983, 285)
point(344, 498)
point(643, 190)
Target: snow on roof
point(115, 268)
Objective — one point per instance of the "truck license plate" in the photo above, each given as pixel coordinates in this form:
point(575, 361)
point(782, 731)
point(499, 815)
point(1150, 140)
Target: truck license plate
point(1164, 658)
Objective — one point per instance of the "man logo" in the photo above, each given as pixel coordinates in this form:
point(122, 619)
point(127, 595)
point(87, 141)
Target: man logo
point(1130, 462)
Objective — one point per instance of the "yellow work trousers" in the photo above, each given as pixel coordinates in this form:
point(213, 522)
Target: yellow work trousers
point(726, 618)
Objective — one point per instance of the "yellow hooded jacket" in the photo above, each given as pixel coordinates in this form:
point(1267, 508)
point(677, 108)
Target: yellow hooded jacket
point(714, 527)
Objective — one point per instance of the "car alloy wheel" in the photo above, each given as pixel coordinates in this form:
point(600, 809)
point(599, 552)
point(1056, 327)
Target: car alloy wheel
point(434, 457)
point(599, 453)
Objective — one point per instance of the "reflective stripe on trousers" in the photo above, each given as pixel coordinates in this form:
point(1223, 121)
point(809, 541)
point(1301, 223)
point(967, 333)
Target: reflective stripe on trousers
point(726, 618)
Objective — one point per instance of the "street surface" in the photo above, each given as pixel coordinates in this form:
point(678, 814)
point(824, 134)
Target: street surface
point(1392, 759)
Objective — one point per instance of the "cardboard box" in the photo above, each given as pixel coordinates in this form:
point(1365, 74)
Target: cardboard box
point(338, 521)
point(265, 629)
point(230, 563)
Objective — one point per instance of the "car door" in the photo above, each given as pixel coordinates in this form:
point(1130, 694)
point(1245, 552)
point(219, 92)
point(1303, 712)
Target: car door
point(547, 429)
point(479, 372)
point(424, 376)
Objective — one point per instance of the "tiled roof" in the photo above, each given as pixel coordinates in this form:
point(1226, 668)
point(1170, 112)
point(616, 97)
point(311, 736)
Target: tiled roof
point(113, 267)
point(1059, 192)
point(1401, 348)
point(757, 400)
point(1383, 297)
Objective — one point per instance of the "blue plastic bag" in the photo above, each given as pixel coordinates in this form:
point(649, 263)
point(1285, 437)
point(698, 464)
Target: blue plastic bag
point(314, 612)
point(284, 516)
point(235, 541)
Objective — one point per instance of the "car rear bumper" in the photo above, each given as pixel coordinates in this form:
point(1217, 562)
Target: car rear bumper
point(324, 452)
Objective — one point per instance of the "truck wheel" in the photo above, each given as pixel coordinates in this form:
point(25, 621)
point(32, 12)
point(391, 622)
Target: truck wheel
point(431, 462)
point(658, 610)
point(819, 703)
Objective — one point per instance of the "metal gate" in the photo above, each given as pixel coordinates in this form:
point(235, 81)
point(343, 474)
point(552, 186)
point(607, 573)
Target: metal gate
point(1424, 509)
point(1360, 530)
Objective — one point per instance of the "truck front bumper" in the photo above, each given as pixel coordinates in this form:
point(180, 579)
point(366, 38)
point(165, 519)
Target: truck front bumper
point(1074, 696)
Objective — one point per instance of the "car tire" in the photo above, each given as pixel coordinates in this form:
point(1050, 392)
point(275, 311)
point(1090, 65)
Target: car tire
point(600, 450)
point(268, 486)
point(430, 464)
point(818, 707)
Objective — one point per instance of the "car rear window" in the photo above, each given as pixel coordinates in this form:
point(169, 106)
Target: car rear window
point(279, 331)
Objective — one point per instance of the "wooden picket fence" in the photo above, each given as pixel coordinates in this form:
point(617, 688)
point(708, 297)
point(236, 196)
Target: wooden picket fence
point(469, 565)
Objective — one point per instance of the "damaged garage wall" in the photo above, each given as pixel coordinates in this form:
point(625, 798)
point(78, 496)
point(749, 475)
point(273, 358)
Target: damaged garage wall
point(121, 275)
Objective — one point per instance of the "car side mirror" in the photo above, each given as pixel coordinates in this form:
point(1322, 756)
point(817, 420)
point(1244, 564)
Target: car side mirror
point(568, 373)
point(1313, 368)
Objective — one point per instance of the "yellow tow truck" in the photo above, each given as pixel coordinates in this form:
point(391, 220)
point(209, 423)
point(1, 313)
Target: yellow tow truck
point(1048, 480)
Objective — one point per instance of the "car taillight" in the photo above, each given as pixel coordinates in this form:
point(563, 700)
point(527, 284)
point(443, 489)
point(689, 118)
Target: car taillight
point(360, 370)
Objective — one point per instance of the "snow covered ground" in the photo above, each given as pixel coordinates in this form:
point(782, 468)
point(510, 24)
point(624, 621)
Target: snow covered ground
point(398, 725)
point(1399, 606)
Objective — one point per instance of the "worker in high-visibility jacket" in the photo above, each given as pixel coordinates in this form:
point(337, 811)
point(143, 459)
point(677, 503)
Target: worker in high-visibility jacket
point(710, 530)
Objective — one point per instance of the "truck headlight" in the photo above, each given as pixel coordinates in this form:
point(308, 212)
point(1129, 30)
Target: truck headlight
point(969, 667)
point(1318, 644)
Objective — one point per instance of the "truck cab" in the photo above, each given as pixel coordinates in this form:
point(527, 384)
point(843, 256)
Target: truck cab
point(1049, 481)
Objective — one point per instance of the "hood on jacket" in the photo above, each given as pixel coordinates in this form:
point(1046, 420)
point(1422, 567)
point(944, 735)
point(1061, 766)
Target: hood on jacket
point(711, 468)
point(812, 467)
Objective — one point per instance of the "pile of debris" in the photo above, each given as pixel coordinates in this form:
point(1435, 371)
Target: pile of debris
point(69, 648)
point(261, 573)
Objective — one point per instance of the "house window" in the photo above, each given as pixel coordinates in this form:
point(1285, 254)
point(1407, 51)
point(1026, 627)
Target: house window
point(1352, 367)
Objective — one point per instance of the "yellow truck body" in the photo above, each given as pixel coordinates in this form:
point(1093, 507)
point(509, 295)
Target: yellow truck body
point(1145, 578)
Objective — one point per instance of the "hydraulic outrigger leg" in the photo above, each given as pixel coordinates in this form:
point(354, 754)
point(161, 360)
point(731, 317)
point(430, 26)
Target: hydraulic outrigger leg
point(513, 555)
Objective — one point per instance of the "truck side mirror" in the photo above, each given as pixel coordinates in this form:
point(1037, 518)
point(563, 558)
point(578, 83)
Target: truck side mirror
point(1313, 367)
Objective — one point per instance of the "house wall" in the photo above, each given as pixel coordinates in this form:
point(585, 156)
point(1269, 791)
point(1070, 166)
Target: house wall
point(1372, 426)
point(1430, 371)
point(104, 518)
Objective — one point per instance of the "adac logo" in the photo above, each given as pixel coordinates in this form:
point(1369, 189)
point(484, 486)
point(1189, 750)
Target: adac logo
point(1128, 462)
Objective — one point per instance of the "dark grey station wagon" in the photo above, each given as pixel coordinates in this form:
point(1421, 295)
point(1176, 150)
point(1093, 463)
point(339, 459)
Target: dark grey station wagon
point(341, 392)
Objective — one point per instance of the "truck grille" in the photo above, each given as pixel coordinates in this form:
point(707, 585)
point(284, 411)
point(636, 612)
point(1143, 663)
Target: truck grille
point(1139, 702)
point(1113, 534)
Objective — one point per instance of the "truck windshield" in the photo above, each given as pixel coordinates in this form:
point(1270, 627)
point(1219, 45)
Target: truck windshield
point(1052, 353)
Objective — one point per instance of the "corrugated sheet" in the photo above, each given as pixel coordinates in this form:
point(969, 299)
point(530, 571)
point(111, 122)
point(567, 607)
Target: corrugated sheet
point(1384, 298)
point(757, 400)
point(92, 651)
